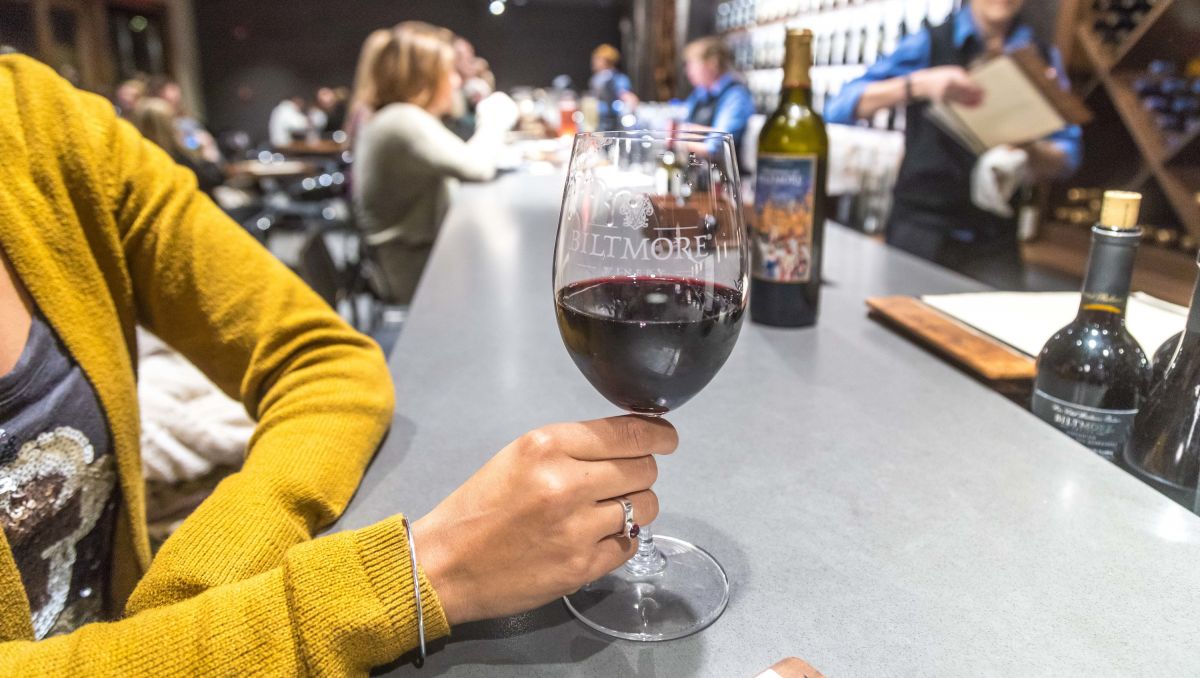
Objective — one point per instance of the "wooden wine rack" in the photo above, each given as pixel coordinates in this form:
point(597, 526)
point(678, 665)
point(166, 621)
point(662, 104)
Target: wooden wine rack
point(1171, 31)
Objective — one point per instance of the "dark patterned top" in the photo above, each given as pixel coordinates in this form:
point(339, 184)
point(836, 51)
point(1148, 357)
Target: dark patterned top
point(57, 484)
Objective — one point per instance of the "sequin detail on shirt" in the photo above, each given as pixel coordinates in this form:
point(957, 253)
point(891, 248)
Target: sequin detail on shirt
point(51, 497)
point(58, 483)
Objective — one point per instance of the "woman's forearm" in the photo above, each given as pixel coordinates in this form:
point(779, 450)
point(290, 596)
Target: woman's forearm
point(337, 605)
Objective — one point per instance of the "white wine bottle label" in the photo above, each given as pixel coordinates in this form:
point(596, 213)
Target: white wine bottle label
point(1104, 431)
point(784, 195)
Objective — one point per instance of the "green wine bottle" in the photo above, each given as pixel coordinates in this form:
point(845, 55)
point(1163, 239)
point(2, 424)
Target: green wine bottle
point(1092, 375)
point(789, 200)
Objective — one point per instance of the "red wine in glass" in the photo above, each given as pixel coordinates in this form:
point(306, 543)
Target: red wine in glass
point(649, 344)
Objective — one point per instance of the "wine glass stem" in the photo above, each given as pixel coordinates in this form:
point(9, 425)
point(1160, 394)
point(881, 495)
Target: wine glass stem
point(647, 561)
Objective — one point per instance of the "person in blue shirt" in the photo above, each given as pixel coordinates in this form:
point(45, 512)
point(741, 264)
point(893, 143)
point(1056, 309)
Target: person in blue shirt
point(611, 87)
point(720, 100)
point(942, 210)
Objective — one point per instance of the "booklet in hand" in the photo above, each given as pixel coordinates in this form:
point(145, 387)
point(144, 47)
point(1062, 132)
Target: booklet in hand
point(1022, 102)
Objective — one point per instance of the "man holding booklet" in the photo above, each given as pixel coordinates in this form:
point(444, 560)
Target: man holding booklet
point(955, 196)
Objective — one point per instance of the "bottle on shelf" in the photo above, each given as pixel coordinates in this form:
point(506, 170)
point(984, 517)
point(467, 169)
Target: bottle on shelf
point(1188, 244)
point(837, 49)
point(878, 43)
point(1172, 101)
point(1092, 375)
point(1166, 237)
point(1114, 20)
point(788, 227)
point(1165, 449)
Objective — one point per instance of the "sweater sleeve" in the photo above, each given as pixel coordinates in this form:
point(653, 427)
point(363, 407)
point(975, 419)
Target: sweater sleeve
point(439, 149)
point(337, 605)
point(319, 390)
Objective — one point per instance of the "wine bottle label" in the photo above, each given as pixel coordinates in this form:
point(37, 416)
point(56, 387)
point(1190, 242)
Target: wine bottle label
point(1104, 431)
point(784, 218)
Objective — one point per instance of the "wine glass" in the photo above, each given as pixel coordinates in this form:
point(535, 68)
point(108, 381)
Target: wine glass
point(650, 289)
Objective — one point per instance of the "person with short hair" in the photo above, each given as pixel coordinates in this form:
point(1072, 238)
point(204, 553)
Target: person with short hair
point(720, 100)
point(328, 112)
point(407, 163)
point(611, 87)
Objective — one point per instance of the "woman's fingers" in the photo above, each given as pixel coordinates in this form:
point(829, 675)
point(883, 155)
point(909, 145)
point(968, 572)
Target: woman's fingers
point(616, 477)
point(608, 518)
point(611, 438)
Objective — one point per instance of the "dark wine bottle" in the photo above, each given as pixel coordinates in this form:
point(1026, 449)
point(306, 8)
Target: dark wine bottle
point(1165, 450)
point(1162, 357)
point(1092, 375)
point(789, 211)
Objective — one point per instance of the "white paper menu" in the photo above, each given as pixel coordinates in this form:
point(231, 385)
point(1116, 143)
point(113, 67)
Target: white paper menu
point(1025, 320)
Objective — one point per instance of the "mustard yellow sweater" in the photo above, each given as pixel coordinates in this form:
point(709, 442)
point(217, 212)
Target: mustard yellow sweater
point(105, 232)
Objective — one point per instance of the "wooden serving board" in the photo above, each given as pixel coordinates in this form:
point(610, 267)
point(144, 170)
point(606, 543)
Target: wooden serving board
point(960, 344)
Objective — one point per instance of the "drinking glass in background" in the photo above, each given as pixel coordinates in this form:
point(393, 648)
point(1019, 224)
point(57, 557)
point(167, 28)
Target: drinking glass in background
point(650, 289)
point(568, 108)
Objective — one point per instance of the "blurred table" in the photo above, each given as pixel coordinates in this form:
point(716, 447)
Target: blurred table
point(318, 147)
point(256, 169)
point(879, 513)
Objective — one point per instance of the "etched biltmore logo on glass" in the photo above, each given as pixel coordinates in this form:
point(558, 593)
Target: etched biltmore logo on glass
point(625, 230)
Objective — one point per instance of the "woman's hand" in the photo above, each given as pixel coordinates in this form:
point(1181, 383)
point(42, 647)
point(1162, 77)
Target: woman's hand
point(537, 521)
point(947, 84)
point(497, 110)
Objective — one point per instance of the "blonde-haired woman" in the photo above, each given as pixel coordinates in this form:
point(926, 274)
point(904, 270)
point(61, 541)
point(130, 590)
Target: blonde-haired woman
point(406, 161)
point(362, 101)
point(155, 119)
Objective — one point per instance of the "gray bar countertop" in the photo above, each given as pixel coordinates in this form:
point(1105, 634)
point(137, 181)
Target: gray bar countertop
point(878, 512)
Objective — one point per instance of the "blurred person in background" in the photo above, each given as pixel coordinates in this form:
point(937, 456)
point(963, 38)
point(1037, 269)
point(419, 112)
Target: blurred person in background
point(720, 101)
point(940, 212)
point(407, 163)
point(195, 136)
point(362, 99)
point(289, 123)
point(612, 88)
point(127, 96)
point(155, 119)
point(328, 113)
point(477, 83)
point(100, 232)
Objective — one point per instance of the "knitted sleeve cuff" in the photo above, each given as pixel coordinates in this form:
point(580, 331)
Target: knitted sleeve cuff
point(383, 548)
point(351, 599)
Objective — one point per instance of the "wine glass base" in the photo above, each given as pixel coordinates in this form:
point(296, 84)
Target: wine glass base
point(685, 597)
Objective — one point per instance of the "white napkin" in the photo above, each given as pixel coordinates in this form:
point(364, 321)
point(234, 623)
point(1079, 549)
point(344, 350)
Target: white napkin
point(997, 175)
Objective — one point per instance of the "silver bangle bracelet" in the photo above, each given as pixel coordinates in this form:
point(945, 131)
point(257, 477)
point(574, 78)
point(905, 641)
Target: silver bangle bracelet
point(412, 555)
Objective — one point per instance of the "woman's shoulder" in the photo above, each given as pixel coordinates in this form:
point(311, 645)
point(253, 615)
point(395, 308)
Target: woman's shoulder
point(401, 116)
